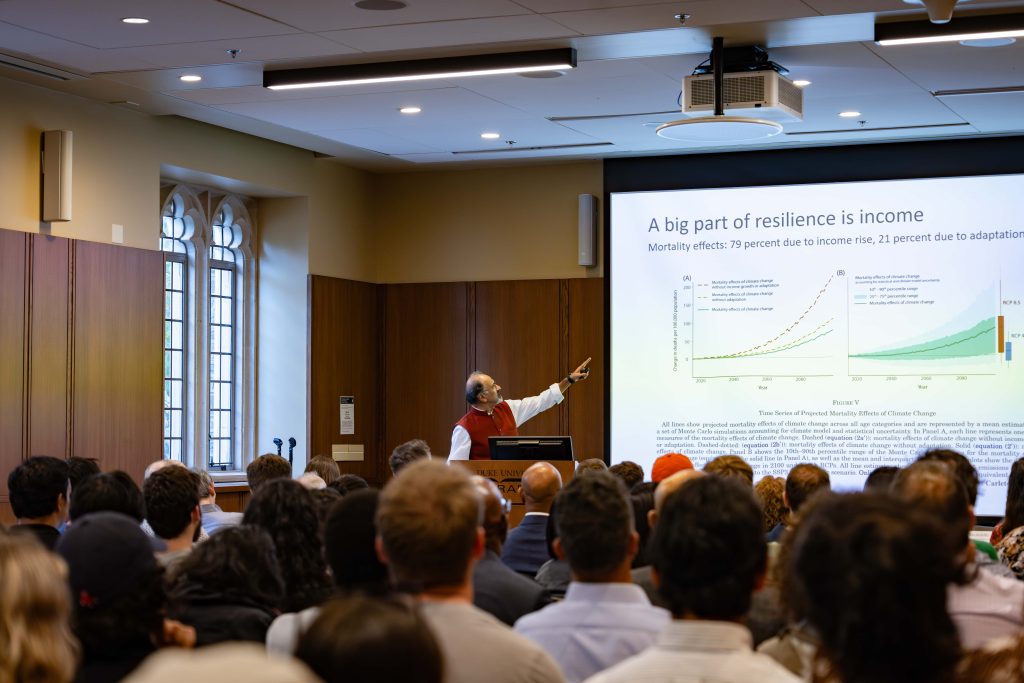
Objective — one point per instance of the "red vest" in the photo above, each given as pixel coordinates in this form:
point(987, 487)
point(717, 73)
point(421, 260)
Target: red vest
point(480, 425)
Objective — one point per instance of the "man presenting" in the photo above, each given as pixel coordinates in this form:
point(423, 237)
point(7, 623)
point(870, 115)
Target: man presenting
point(491, 415)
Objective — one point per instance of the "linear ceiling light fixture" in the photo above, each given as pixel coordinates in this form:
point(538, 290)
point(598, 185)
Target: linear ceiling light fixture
point(972, 27)
point(421, 69)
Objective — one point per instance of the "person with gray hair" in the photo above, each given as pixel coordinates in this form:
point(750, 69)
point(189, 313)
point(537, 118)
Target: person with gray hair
point(214, 519)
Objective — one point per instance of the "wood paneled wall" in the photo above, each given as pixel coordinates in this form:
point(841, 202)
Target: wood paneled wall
point(405, 350)
point(80, 353)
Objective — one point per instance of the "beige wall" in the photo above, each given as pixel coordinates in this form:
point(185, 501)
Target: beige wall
point(515, 223)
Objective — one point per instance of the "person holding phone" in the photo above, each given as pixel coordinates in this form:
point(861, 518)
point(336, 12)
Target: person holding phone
point(491, 415)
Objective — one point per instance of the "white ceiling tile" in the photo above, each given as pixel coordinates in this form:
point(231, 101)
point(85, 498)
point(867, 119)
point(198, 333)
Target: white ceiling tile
point(877, 109)
point(81, 58)
point(462, 32)
point(952, 66)
point(257, 93)
point(549, 6)
point(662, 15)
point(999, 113)
point(264, 49)
point(332, 16)
point(98, 23)
point(216, 76)
point(851, 6)
point(384, 142)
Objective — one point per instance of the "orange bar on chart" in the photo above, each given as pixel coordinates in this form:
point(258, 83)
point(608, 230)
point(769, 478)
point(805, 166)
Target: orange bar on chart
point(999, 331)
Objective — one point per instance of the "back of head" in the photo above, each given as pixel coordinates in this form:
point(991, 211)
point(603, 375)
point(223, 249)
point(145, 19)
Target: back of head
point(287, 511)
point(247, 662)
point(629, 472)
point(590, 465)
point(427, 520)
point(933, 487)
point(769, 493)
point(236, 563)
point(347, 483)
point(642, 500)
point(266, 468)
point(541, 482)
point(708, 548)
point(732, 466)
point(1014, 516)
point(171, 495)
point(355, 640)
point(35, 613)
point(108, 492)
point(115, 581)
point(594, 522)
point(325, 467)
point(204, 483)
point(667, 465)
point(802, 482)
point(349, 537)
point(496, 508)
point(80, 469)
point(870, 574)
point(408, 453)
point(880, 479)
point(961, 466)
point(36, 485)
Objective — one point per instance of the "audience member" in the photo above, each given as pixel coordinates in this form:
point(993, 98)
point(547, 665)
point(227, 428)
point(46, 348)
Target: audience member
point(325, 467)
point(988, 606)
point(770, 493)
point(347, 483)
point(629, 472)
point(172, 510)
point(325, 499)
point(732, 466)
point(341, 648)
point(158, 465)
point(349, 546)
point(667, 465)
point(1010, 530)
point(118, 593)
point(287, 511)
point(224, 662)
point(642, 500)
point(108, 492)
point(605, 617)
point(80, 469)
point(525, 549)
point(38, 490)
point(36, 645)
point(802, 482)
point(870, 573)
point(311, 481)
point(229, 587)
point(709, 556)
point(554, 575)
point(266, 468)
point(214, 519)
point(880, 479)
point(407, 453)
point(590, 465)
point(429, 525)
point(498, 590)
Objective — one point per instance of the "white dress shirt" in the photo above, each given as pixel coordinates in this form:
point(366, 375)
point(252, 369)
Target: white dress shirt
point(988, 607)
point(522, 410)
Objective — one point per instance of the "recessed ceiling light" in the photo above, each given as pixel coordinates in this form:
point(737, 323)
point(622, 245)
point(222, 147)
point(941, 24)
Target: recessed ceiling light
point(988, 42)
point(490, 136)
point(542, 74)
point(410, 110)
point(849, 114)
point(190, 78)
point(801, 83)
point(135, 20)
point(380, 5)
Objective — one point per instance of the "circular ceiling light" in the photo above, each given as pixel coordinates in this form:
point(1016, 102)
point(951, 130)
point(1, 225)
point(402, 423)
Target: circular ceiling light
point(135, 20)
point(190, 78)
point(801, 84)
point(410, 110)
point(380, 5)
point(719, 129)
point(988, 42)
point(849, 114)
point(490, 136)
point(542, 74)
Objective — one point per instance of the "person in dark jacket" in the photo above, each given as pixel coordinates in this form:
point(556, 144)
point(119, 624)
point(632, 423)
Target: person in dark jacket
point(229, 588)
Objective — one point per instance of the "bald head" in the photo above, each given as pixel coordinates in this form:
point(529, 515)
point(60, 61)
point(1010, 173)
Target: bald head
point(159, 465)
point(668, 486)
point(495, 518)
point(541, 481)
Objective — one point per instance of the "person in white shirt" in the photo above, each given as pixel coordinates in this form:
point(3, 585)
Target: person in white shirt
point(491, 415)
point(604, 617)
point(709, 556)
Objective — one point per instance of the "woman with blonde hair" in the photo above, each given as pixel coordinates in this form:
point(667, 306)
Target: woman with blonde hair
point(36, 643)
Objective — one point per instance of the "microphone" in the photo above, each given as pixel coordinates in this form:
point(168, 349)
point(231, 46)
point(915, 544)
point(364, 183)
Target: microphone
point(278, 443)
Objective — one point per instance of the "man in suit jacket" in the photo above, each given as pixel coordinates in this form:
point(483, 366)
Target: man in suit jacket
point(496, 588)
point(527, 548)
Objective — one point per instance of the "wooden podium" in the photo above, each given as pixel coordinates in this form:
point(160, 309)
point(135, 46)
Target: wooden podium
point(508, 475)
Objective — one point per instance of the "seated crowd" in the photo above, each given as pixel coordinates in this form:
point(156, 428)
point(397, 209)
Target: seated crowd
point(695, 575)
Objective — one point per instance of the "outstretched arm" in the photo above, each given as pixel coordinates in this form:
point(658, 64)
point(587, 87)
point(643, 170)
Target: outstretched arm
point(577, 375)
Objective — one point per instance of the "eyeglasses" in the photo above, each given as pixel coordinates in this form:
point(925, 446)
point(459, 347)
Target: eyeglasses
point(506, 505)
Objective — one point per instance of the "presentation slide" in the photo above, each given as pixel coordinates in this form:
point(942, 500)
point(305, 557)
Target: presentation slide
point(852, 325)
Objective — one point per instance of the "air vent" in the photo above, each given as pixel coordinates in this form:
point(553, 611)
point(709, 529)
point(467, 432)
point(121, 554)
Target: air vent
point(38, 69)
point(766, 94)
point(539, 148)
point(879, 129)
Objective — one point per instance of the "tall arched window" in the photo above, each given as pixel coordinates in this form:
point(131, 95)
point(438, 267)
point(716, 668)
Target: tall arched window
point(208, 329)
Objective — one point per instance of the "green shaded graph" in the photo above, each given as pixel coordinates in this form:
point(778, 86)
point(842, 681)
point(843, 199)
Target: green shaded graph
point(979, 340)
